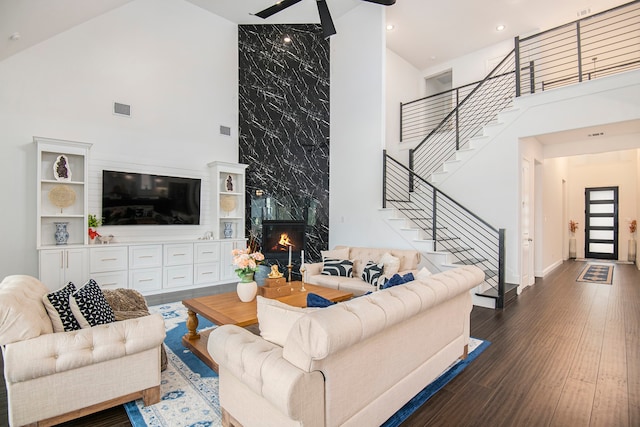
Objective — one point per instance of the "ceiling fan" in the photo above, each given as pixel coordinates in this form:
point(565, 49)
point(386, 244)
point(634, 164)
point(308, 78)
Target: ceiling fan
point(328, 28)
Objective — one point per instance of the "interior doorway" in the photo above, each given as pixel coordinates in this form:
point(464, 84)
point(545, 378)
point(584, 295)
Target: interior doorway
point(601, 223)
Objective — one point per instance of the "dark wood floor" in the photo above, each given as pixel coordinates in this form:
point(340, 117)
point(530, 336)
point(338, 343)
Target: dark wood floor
point(565, 353)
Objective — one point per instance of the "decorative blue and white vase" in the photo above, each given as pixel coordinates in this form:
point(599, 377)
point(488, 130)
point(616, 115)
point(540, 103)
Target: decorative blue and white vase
point(228, 231)
point(61, 235)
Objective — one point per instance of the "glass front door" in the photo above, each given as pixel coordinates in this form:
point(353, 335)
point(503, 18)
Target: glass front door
point(601, 229)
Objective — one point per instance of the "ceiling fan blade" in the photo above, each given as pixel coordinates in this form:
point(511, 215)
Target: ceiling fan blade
point(383, 2)
point(281, 5)
point(328, 28)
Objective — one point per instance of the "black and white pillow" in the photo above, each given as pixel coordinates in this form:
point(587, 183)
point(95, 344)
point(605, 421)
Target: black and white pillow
point(372, 273)
point(59, 309)
point(337, 267)
point(90, 307)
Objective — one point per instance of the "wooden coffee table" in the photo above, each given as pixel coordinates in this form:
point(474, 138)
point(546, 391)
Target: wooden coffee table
point(227, 309)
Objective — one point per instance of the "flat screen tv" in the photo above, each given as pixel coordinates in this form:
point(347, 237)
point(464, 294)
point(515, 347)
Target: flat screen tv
point(141, 199)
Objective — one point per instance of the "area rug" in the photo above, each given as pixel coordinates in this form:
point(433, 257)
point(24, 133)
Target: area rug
point(189, 388)
point(596, 273)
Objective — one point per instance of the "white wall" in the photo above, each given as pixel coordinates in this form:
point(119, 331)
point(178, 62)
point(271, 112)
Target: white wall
point(174, 63)
point(473, 67)
point(614, 169)
point(554, 219)
point(404, 83)
point(357, 129)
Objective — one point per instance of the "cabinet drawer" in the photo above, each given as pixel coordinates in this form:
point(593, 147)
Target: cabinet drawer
point(178, 254)
point(146, 279)
point(178, 276)
point(206, 273)
point(147, 256)
point(206, 252)
point(111, 280)
point(107, 259)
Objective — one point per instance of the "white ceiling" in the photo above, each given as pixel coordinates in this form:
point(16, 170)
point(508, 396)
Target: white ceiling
point(427, 32)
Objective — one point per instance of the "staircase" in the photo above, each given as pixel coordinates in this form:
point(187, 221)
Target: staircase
point(446, 232)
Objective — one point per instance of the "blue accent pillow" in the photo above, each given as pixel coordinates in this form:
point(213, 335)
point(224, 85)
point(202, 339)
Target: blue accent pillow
point(315, 300)
point(397, 279)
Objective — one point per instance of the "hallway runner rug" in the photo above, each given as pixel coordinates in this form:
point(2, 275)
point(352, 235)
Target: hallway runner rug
point(189, 388)
point(596, 273)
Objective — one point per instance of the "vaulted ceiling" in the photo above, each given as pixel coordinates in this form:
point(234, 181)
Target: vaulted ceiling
point(426, 32)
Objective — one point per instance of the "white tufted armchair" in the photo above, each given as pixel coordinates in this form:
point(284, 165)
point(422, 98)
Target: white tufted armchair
point(54, 377)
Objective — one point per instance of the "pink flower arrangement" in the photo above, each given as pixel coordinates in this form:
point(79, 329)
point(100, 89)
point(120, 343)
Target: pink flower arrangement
point(246, 262)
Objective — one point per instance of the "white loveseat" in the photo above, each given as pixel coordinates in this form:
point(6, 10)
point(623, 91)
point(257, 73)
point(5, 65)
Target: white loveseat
point(354, 363)
point(406, 261)
point(53, 377)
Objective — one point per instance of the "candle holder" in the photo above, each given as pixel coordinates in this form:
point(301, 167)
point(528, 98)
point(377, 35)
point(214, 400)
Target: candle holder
point(302, 270)
point(289, 267)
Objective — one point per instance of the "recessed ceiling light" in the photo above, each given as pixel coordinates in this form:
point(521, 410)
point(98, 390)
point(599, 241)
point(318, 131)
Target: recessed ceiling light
point(500, 27)
point(390, 27)
point(286, 39)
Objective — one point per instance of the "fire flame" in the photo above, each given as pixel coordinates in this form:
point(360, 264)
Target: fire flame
point(284, 240)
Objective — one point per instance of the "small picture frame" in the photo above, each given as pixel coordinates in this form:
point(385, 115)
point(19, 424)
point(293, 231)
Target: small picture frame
point(62, 169)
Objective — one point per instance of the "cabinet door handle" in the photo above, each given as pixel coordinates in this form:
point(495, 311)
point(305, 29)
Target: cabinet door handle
point(145, 280)
point(207, 272)
point(67, 256)
point(178, 277)
point(207, 252)
point(146, 256)
point(108, 284)
point(61, 260)
point(109, 259)
point(179, 254)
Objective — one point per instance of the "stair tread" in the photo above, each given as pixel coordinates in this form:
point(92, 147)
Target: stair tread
point(470, 261)
point(493, 292)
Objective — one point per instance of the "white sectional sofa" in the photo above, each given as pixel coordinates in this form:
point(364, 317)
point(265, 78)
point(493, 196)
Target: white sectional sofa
point(406, 261)
point(354, 363)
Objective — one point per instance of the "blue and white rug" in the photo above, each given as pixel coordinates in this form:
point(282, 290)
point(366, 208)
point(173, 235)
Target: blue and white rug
point(189, 388)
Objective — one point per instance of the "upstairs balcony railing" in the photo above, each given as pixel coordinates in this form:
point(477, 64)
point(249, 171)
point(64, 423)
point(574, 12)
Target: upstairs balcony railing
point(599, 45)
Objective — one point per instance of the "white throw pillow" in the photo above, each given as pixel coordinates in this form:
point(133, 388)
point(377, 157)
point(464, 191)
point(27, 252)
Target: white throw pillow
point(336, 254)
point(391, 264)
point(423, 274)
point(276, 319)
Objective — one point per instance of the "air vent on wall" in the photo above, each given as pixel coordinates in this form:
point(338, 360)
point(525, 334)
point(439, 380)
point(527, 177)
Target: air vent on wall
point(122, 109)
point(225, 130)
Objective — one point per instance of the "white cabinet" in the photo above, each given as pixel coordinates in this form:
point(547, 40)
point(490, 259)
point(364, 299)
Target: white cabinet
point(228, 270)
point(178, 265)
point(145, 268)
point(228, 199)
point(61, 266)
point(206, 263)
point(108, 266)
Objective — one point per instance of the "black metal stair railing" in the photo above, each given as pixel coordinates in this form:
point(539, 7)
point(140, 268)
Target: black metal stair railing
point(450, 226)
point(421, 116)
point(480, 106)
point(597, 46)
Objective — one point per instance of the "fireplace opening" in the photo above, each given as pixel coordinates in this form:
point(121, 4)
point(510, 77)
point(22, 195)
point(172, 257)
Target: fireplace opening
point(278, 236)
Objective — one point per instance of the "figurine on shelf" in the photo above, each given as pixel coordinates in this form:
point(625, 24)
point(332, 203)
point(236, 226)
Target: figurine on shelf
point(275, 273)
point(229, 183)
